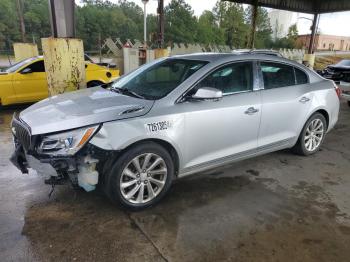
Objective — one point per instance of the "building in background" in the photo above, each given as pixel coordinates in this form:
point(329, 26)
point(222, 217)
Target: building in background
point(280, 22)
point(325, 42)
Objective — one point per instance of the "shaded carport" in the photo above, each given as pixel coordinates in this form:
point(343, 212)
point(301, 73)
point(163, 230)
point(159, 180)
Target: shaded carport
point(315, 7)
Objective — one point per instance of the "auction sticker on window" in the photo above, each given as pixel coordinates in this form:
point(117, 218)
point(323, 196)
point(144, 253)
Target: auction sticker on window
point(158, 126)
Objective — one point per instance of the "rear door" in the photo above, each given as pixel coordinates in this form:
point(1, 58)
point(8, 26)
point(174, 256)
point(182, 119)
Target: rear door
point(286, 99)
point(30, 82)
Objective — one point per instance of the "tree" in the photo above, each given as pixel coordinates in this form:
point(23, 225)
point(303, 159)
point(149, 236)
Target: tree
point(230, 19)
point(9, 26)
point(181, 24)
point(208, 31)
point(263, 28)
point(97, 18)
point(290, 41)
point(36, 19)
point(293, 33)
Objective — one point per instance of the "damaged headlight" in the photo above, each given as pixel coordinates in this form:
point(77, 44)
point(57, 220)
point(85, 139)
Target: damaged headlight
point(66, 143)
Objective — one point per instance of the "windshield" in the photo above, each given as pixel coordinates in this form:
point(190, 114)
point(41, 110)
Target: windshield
point(159, 79)
point(18, 65)
point(344, 63)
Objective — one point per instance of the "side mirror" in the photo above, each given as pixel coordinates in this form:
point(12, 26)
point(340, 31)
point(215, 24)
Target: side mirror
point(207, 93)
point(26, 70)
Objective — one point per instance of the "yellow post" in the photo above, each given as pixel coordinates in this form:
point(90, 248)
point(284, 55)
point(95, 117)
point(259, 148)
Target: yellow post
point(158, 53)
point(24, 50)
point(64, 64)
point(309, 60)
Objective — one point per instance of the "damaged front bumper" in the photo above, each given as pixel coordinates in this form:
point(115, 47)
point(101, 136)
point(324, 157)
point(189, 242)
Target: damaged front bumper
point(80, 168)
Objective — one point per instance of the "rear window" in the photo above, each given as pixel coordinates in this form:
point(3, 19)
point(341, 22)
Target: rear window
point(277, 75)
point(301, 77)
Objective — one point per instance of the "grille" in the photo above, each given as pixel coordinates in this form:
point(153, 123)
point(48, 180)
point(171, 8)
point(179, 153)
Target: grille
point(21, 132)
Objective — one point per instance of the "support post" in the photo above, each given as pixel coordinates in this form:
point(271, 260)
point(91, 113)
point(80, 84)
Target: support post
point(64, 64)
point(313, 33)
point(309, 58)
point(24, 50)
point(160, 23)
point(144, 22)
point(63, 54)
point(21, 20)
point(254, 17)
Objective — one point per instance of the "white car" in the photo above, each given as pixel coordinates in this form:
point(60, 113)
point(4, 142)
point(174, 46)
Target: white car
point(175, 117)
point(345, 88)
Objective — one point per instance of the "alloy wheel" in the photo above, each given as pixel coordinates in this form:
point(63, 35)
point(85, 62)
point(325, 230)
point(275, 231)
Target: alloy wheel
point(143, 178)
point(314, 135)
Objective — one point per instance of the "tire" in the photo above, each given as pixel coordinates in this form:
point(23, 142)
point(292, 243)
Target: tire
point(348, 103)
point(94, 83)
point(315, 126)
point(124, 177)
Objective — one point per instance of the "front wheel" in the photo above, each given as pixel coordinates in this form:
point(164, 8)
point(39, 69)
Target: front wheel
point(141, 176)
point(312, 135)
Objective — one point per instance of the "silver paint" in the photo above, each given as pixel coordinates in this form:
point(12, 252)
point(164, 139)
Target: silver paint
point(205, 134)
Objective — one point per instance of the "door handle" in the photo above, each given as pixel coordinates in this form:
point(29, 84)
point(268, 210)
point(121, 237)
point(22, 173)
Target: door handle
point(251, 111)
point(304, 99)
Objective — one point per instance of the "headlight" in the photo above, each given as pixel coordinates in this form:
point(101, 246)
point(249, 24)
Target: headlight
point(66, 143)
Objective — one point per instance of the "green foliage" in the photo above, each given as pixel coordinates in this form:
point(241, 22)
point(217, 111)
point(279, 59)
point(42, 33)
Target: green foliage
point(181, 24)
point(104, 19)
point(230, 19)
point(290, 41)
point(227, 24)
point(9, 26)
point(263, 27)
point(208, 31)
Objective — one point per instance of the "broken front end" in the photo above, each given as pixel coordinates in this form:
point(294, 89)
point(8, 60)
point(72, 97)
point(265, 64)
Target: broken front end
point(59, 157)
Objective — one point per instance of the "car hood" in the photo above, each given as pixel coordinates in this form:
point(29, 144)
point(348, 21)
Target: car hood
point(82, 108)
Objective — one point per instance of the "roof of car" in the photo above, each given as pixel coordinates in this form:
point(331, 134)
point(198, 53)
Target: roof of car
point(214, 57)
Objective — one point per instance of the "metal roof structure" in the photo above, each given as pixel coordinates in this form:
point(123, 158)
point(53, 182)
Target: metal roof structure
point(303, 6)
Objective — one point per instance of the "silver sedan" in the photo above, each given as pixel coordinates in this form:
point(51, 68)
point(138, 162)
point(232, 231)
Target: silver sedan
point(175, 117)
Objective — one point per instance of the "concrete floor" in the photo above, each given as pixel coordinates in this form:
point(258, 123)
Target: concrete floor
point(278, 207)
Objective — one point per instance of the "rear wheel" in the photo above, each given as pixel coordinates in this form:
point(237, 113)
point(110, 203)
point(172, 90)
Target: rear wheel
point(141, 176)
point(312, 135)
point(94, 83)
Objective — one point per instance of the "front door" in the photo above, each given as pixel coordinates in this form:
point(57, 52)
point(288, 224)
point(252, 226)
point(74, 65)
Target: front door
point(30, 83)
point(286, 99)
point(221, 130)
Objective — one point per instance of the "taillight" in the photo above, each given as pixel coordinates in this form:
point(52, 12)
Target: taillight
point(337, 90)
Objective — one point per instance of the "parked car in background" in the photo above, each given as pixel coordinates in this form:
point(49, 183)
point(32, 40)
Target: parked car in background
point(174, 117)
point(26, 82)
point(337, 72)
point(345, 90)
point(87, 58)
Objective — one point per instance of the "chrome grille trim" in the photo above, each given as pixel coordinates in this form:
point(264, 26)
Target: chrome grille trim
point(21, 132)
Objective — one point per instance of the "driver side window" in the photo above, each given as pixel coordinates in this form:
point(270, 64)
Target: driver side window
point(232, 78)
point(37, 67)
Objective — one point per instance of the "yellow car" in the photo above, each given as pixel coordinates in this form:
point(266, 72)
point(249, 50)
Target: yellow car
point(25, 81)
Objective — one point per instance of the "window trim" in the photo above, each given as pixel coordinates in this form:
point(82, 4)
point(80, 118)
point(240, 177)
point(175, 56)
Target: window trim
point(33, 62)
point(262, 84)
point(307, 76)
point(256, 82)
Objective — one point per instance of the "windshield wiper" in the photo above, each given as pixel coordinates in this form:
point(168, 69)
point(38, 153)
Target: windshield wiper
point(125, 91)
